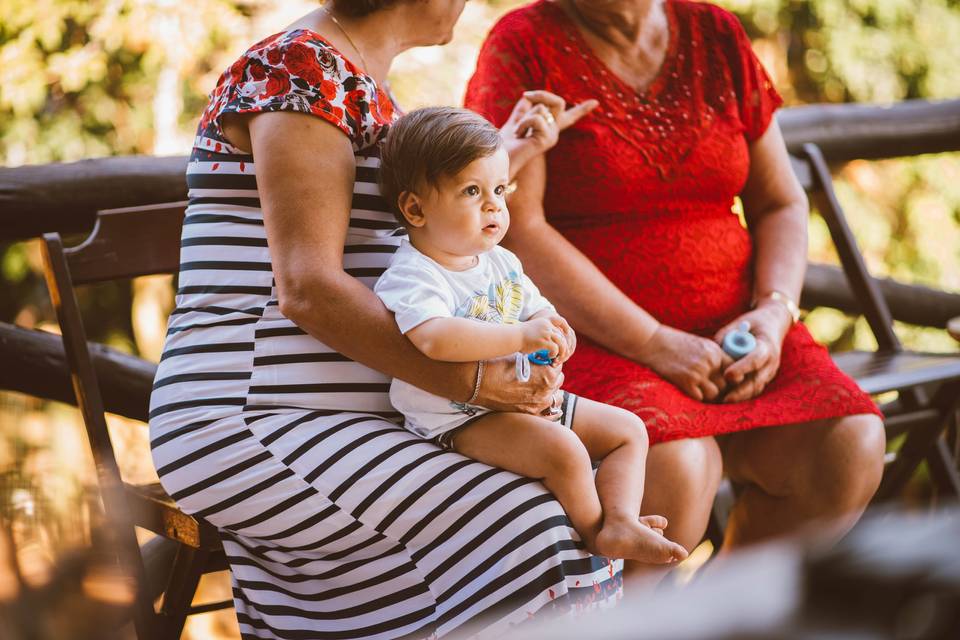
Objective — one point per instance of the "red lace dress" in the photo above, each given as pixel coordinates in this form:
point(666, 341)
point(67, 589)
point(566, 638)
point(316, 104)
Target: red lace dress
point(644, 187)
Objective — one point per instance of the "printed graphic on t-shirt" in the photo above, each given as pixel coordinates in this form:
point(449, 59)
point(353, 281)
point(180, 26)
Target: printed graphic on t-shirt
point(501, 304)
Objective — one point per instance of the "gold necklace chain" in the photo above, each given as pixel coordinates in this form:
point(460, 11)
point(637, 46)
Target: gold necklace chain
point(346, 35)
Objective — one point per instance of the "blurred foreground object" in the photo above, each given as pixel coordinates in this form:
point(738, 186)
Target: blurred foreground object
point(85, 597)
point(895, 577)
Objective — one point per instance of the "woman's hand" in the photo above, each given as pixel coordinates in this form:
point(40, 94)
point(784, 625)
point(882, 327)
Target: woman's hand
point(535, 124)
point(694, 364)
point(501, 391)
point(748, 376)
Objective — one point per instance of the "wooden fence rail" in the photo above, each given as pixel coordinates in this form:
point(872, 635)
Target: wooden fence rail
point(34, 363)
point(64, 197)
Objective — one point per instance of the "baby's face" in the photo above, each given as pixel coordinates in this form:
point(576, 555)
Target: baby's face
point(466, 214)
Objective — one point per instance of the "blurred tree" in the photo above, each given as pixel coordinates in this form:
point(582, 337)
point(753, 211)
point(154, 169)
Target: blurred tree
point(84, 78)
point(861, 50)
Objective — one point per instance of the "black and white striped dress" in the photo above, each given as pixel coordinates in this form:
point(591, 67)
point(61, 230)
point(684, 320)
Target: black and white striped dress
point(336, 521)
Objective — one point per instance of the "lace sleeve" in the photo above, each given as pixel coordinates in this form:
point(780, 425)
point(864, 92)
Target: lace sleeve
point(506, 67)
point(757, 96)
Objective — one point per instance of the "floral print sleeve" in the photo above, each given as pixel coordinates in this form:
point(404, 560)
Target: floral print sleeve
point(298, 71)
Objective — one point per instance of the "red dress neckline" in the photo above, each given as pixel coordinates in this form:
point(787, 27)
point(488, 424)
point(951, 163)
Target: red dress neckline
point(573, 32)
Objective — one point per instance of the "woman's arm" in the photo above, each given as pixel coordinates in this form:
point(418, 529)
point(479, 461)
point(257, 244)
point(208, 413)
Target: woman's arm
point(305, 174)
point(776, 211)
point(595, 306)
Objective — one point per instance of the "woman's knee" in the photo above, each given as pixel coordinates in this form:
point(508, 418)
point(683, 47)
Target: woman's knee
point(854, 457)
point(837, 465)
point(690, 469)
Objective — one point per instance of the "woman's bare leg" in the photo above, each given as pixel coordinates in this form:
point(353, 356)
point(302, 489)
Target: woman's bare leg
point(682, 480)
point(792, 475)
point(618, 439)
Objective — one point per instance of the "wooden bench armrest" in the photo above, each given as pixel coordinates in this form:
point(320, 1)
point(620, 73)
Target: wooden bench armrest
point(152, 509)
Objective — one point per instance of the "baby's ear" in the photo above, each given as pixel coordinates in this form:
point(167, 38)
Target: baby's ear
point(411, 207)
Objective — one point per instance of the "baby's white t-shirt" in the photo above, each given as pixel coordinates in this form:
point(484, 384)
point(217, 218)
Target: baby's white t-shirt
point(416, 288)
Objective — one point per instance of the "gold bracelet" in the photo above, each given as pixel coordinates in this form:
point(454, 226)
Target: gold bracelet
point(476, 386)
point(785, 300)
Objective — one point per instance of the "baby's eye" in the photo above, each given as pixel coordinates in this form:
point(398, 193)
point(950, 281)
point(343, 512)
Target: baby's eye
point(500, 190)
point(472, 190)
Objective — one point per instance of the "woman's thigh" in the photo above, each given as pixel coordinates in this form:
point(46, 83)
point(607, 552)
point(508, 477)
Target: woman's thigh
point(827, 465)
point(352, 508)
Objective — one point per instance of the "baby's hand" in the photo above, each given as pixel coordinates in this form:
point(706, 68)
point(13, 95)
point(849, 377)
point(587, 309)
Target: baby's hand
point(542, 333)
point(569, 337)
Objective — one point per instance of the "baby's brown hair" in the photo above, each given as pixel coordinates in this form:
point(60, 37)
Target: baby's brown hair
point(427, 144)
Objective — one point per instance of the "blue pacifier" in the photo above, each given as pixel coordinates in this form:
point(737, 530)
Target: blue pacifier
point(523, 363)
point(739, 342)
point(540, 357)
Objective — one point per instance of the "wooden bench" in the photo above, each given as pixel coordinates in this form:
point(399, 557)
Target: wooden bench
point(926, 409)
point(126, 243)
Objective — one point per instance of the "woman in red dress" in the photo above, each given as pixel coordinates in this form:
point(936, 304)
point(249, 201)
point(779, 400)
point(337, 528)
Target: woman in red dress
point(628, 225)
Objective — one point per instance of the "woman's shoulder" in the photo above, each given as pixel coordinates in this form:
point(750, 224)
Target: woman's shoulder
point(308, 58)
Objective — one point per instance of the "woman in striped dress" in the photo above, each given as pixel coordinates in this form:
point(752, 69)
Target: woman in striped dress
point(270, 415)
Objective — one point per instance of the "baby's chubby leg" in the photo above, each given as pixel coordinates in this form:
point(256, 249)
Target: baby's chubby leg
point(539, 448)
point(618, 439)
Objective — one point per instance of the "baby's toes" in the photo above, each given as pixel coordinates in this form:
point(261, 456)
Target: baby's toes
point(654, 522)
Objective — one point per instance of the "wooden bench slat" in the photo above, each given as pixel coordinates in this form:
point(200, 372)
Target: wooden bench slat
point(882, 371)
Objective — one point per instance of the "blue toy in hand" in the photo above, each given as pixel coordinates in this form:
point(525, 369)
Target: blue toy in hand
point(540, 357)
point(739, 342)
point(523, 364)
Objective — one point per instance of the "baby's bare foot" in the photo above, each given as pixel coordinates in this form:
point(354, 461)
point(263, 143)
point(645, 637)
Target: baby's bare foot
point(640, 540)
